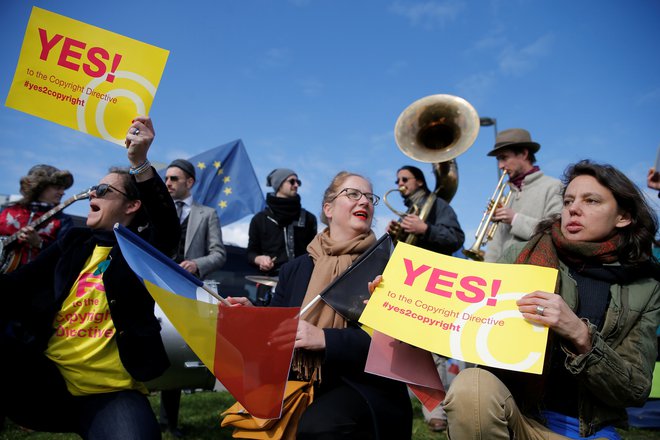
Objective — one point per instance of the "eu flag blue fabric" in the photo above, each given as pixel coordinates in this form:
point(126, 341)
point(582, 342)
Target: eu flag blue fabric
point(226, 181)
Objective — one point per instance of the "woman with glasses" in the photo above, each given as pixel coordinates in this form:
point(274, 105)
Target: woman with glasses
point(348, 403)
point(79, 336)
point(602, 318)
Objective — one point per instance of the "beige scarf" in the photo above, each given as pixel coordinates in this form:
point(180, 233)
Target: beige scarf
point(331, 259)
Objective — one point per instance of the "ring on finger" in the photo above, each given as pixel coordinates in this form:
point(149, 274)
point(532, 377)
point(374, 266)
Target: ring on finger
point(136, 132)
point(540, 310)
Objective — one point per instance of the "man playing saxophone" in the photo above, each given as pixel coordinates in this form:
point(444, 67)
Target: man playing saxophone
point(534, 196)
point(440, 232)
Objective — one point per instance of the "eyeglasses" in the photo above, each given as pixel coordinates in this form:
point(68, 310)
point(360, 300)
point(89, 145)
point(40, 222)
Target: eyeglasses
point(172, 178)
point(402, 179)
point(103, 188)
point(356, 194)
point(293, 181)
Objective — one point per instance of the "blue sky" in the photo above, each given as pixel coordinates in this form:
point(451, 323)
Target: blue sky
point(317, 86)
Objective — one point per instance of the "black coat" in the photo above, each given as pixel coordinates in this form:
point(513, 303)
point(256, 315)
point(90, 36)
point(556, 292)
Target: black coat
point(266, 237)
point(31, 296)
point(345, 358)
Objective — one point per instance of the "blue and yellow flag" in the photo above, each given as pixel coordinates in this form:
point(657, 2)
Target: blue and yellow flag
point(248, 349)
point(227, 182)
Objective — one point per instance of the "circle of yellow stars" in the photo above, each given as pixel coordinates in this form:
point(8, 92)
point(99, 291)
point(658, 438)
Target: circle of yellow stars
point(227, 190)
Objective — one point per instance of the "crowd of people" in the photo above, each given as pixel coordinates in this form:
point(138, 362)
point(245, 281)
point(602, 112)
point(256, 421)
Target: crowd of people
point(595, 227)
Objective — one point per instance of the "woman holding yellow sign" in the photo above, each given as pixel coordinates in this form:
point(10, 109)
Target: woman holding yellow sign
point(602, 320)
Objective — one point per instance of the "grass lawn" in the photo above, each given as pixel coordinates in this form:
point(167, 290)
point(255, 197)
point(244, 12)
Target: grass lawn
point(199, 420)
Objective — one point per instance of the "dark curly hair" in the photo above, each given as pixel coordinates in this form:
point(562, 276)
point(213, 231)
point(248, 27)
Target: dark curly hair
point(638, 236)
point(39, 178)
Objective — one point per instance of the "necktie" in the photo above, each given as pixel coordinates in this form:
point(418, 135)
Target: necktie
point(179, 208)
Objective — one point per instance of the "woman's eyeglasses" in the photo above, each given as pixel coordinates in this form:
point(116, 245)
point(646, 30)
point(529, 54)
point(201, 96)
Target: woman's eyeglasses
point(103, 188)
point(293, 181)
point(356, 194)
point(402, 179)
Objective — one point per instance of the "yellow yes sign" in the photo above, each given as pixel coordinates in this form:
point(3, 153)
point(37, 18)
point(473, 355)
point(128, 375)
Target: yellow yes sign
point(84, 77)
point(461, 309)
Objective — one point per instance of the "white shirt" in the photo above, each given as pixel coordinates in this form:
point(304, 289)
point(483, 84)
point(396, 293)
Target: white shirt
point(185, 208)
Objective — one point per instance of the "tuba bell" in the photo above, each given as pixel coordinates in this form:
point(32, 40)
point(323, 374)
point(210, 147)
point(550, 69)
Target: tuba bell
point(435, 129)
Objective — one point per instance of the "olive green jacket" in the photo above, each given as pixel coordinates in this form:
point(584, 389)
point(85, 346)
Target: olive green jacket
point(618, 370)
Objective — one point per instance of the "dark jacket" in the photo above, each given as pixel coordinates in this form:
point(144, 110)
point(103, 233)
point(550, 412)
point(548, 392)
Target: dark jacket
point(444, 234)
point(618, 370)
point(31, 296)
point(345, 358)
point(266, 237)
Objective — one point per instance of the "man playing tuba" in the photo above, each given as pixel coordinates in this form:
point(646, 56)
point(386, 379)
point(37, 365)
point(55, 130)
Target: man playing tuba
point(439, 231)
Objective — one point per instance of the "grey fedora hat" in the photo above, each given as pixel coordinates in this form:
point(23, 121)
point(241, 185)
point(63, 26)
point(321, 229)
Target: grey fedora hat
point(514, 138)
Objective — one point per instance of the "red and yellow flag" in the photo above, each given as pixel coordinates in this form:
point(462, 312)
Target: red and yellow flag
point(248, 349)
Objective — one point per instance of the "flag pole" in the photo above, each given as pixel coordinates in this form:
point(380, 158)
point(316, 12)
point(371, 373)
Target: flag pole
point(308, 306)
point(216, 296)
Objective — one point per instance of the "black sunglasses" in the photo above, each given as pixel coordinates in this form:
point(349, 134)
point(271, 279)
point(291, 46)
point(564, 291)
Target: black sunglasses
point(293, 181)
point(401, 179)
point(103, 188)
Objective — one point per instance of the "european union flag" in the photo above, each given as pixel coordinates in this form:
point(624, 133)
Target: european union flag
point(226, 181)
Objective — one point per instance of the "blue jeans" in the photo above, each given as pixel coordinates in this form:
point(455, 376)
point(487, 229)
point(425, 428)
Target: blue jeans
point(35, 396)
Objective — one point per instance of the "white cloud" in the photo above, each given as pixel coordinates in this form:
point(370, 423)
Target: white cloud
point(236, 233)
point(312, 87)
point(276, 57)
point(397, 67)
point(518, 61)
point(427, 14)
point(651, 97)
point(478, 84)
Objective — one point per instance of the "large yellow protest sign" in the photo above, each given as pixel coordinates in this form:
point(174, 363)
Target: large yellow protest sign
point(461, 309)
point(84, 77)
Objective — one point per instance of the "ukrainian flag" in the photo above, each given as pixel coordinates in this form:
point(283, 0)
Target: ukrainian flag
point(248, 349)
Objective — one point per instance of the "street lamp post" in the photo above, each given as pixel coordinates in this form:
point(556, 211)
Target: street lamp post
point(487, 122)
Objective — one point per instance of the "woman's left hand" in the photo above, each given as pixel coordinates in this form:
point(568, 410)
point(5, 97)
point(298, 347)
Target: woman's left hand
point(552, 311)
point(309, 336)
point(139, 137)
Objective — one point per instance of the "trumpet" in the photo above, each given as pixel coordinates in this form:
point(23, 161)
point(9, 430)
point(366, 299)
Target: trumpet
point(488, 227)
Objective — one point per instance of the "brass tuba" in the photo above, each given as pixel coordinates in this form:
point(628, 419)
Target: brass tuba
point(435, 129)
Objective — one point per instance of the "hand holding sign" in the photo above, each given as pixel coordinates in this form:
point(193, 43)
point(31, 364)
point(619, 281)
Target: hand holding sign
point(459, 308)
point(552, 311)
